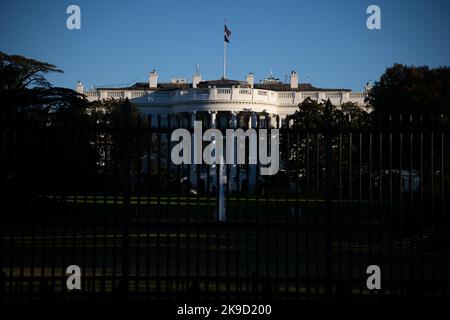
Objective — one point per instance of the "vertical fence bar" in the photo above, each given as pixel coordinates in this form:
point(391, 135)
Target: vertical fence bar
point(391, 211)
point(307, 221)
point(158, 209)
point(126, 215)
point(359, 222)
point(443, 218)
point(380, 215)
point(136, 224)
point(208, 225)
point(328, 200)
point(149, 207)
point(421, 213)
point(286, 224)
point(350, 224)
point(340, 224)
point(411, 214)
point(228, 224)
point(369, 238)
point(399, 224)
point(168, 220)
point(298, 212)
point(316, 211)
point(432, 222)
point(178, 227)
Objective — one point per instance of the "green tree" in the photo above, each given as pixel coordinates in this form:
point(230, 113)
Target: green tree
point(25, 92)
point(302, 144)
point(409, 89)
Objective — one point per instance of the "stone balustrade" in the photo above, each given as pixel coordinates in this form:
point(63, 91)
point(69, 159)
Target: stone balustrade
point(236, 94)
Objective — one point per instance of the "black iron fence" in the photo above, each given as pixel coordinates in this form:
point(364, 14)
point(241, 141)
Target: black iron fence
point(109, 200)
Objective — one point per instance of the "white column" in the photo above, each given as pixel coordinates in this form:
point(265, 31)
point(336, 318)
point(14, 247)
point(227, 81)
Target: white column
point(253, 120)
point(232, 184)
point(233, 120)
point(345, 97)
point(252, 167)
point(213, 116)
point(192, 173)
point(321, 96)
point(273, 120)
point(213, 172)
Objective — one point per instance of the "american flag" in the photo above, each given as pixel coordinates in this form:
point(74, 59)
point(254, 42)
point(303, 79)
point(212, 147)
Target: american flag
point(227, 34)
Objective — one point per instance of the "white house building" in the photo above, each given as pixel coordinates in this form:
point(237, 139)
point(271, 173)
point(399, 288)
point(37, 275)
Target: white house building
point(221, 104)
point(267, 102)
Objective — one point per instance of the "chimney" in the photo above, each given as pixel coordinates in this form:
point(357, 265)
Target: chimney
point(79, 88)
point(153, 80)
point(294, 80)
point(196, 78)
point(250, 79)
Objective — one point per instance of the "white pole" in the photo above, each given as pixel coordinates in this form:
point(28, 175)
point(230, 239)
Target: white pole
point(224, 58)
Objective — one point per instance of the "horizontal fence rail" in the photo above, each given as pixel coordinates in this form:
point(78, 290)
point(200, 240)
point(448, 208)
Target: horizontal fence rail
point(347, 195)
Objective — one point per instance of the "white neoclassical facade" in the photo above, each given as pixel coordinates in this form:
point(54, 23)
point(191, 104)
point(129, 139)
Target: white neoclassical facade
point(221, 104)
point(271, 98)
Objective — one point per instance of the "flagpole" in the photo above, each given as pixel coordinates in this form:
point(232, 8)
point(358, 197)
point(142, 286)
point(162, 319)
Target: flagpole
point(224, 51)
point(224, 59)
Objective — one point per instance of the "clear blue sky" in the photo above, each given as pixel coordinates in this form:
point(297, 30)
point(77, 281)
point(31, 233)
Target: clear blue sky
point(327, 41)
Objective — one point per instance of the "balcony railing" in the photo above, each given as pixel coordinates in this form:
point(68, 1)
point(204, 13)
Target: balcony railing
point(225, 94)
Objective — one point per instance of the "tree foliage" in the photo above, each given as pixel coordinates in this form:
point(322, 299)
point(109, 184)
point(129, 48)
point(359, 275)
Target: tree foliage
point(19, 73)
point(27, 95)
point(409, 89)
